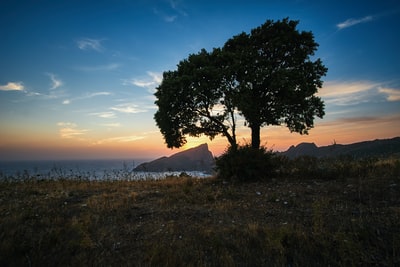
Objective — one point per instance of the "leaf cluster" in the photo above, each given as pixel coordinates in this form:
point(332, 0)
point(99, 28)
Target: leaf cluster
point(267, 76)
point(276, 76)
point(245, 163)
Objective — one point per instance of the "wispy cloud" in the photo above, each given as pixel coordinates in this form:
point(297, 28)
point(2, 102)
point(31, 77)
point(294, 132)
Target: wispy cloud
point(349, 93)
point(120, 139)
point(157, 77)
point(166, 17)
point(104, 115)
point(128, 108)
point(86, 96)
point(90, 44)
point(113, 125)
point(52, 94)
point(351, 22)
point(363, 120)
point(337, 88)
point(70, 130)
point(90, 95)
point(171, 12)
point(177, 6)
point(107, 67)
point(55, 82)
point(150, 83)
point(391, 93)
point(12, 86)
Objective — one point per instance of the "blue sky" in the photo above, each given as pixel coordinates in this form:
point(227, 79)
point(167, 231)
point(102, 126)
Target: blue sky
point(77, 77)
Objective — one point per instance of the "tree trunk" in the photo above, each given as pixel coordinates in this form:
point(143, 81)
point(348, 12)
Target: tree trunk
point(232, 140)
point(255, 136)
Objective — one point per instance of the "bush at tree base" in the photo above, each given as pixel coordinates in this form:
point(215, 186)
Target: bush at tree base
point(245, 163)
point(248, 164)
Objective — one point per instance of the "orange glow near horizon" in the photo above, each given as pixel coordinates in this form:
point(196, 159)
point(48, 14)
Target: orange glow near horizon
point(85, 91)
point(42, 145)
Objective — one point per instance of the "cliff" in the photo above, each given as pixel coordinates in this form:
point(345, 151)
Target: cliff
point(194, 159)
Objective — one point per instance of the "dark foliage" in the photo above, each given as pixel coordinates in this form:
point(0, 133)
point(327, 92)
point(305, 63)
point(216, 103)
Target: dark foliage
point(247, 164)
point(268, 76)
point(188, 97)
point(334, 168)
point(276, 77)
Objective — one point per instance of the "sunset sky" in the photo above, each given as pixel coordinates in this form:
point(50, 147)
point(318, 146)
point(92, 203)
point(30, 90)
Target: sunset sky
point(77, 77)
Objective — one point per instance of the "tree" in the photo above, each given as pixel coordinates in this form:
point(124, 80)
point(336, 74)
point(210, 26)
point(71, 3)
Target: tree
point(267, 76)
point(194, 100)
point(276, 78)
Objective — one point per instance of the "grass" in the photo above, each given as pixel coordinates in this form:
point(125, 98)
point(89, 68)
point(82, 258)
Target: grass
point(293, 220)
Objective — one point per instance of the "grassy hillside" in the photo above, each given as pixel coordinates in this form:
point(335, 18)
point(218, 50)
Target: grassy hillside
point(293, 220)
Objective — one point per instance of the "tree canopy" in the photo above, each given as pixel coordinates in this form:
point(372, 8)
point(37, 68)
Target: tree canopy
point(267, 76)
point(193, 100)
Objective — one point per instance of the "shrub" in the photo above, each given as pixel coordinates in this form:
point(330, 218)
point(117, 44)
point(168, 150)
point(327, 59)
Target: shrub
point(246, 164)
point(304, 166)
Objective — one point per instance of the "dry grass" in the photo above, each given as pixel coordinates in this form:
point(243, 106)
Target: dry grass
point(201, 222)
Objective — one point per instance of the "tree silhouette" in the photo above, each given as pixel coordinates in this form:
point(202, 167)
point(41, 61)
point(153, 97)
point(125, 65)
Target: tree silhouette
point(267, 76)
point(276, 79)
point(194, 100)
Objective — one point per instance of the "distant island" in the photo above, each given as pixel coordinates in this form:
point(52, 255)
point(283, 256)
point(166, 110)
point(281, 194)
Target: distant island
point(198, 158)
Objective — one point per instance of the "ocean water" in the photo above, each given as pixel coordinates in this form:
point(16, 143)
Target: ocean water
point(115, 169)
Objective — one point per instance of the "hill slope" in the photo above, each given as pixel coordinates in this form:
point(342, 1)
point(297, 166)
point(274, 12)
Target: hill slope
point(379, 147)
point(194, 159)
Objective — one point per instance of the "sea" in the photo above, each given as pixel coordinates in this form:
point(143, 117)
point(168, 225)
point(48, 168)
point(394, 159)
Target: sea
point(106, 169)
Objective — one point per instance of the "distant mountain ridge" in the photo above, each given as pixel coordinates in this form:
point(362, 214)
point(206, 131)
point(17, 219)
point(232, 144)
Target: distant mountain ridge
point(378, 147)
point(201, 159)
point(194, 159)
